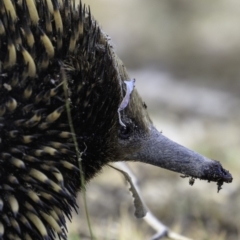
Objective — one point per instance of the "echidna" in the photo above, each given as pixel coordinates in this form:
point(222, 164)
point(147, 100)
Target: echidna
point(60, 80)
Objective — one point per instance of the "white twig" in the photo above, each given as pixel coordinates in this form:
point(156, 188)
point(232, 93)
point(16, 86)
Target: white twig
point(162, 230)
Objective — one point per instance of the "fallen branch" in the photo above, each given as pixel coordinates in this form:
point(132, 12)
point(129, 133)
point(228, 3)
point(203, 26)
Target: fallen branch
point(141, 210)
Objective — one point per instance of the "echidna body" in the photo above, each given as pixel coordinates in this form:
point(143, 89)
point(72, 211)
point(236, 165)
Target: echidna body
point(40, 42)
point(54, 55)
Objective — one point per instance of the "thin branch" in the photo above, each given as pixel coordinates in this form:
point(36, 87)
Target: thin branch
point(162, 230)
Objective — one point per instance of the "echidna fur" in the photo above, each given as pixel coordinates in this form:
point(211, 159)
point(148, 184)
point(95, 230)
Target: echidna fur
point(39, 176)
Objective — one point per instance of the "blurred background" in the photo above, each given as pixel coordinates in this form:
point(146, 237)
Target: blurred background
point(185, 56)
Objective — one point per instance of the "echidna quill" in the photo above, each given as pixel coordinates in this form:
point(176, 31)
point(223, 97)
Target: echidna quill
point(57, 67)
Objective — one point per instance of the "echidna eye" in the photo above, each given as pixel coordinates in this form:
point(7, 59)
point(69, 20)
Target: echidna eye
point(124, 132)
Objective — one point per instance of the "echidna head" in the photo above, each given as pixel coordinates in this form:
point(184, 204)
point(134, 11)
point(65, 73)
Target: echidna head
point(64, 100)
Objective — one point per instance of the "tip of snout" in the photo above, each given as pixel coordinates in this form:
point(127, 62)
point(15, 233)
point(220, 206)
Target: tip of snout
point(215, 172)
